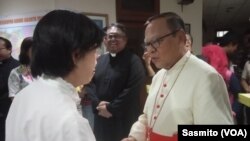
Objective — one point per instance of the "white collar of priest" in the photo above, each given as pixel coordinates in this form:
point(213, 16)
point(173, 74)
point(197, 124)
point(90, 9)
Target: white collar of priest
point(113, 54)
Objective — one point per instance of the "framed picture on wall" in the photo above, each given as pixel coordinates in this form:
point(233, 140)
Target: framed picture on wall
point(187, 28)
point(101, 21)
point(16, 28)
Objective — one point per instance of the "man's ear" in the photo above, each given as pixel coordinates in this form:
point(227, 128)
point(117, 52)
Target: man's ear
point(181, 35)
point(105, 40)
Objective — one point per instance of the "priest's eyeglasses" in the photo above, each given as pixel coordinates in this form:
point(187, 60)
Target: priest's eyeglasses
point(115, 36)
point(157, 42)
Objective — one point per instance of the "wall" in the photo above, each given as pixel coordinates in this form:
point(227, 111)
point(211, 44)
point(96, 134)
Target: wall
point(92, 6)
point(191, 14)
point(22, 7)
point(19, 17)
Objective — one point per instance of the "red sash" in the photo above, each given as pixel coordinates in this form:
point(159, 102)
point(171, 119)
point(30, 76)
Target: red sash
point(157, 137)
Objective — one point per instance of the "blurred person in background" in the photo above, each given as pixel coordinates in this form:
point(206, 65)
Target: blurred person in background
point(115, 87)
point(217, 55)
point(7, 63)
point(21, 76)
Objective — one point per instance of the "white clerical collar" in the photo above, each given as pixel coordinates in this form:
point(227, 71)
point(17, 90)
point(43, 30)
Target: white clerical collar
point(113, 54)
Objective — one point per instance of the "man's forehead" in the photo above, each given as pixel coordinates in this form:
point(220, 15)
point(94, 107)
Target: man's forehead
point(157, 24)
point(154, 30)
point(114, 30)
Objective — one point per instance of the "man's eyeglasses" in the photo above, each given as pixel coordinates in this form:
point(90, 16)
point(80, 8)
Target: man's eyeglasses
point(157, 42)
point(114, 36)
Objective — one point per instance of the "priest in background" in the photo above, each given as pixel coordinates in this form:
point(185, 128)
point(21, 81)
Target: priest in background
point(115, 87)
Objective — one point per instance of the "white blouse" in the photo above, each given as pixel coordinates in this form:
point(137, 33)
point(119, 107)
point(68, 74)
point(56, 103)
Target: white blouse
point(46, 110)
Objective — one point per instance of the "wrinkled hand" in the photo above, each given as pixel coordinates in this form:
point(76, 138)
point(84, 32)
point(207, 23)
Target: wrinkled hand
point(102, 109)
point(129, 139)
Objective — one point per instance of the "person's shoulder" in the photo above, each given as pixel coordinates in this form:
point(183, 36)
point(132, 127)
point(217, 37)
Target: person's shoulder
point(128, 52)
point(135, 57)
point(14, 61)
point(132, 56)
point(15, 71)
point(199, 65)
point(102, 56)
point(203, 72)
point(160, 73)
point(200, 56)
point(248, 62)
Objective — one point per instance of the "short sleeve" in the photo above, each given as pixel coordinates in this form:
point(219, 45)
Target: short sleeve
point(13, 83)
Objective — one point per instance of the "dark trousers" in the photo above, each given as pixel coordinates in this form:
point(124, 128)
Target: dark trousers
point(238, 108)
point(4, 108)
point(248, 115)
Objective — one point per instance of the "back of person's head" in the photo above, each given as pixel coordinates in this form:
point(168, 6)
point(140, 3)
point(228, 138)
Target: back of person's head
point(24, 51)
point(230, 37)
point(58, 35)
point(216, 41)
point(174, 21)
point(7, 43)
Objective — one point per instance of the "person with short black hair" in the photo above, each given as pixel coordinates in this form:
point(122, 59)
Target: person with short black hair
point(7, 63)
point(64, 56)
